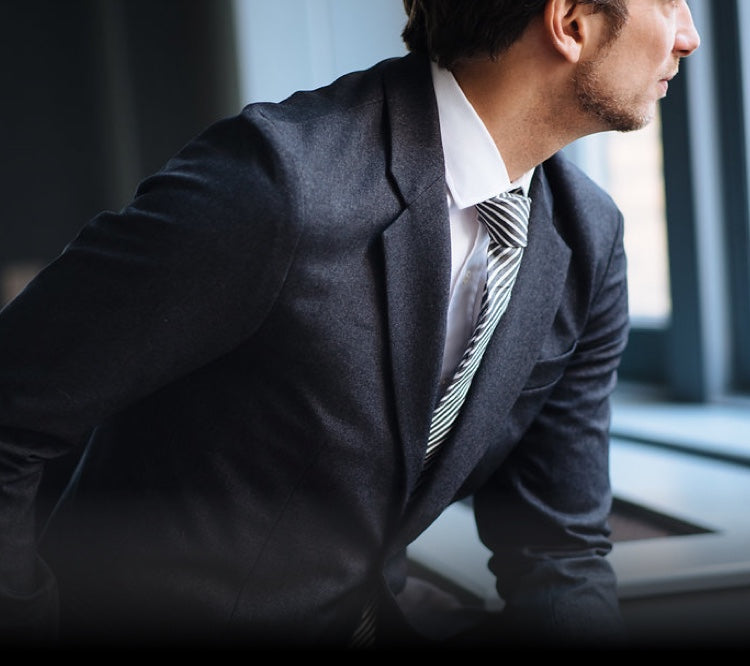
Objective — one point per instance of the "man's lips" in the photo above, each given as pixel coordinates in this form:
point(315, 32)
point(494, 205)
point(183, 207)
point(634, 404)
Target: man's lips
point(665, 82)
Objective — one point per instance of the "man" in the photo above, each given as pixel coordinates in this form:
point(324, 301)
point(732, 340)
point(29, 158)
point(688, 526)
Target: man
point(252, 353)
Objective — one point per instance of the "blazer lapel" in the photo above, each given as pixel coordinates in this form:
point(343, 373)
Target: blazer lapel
point(507, 363)
point(416, 249)
point(417, 265)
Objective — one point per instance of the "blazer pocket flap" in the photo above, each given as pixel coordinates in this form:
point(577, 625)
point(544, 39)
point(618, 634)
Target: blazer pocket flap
point(547, 371)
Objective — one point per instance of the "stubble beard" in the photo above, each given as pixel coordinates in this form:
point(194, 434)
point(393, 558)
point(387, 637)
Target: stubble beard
point(610, 111)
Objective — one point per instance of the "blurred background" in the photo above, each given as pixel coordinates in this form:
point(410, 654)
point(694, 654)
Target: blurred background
point(98, 94)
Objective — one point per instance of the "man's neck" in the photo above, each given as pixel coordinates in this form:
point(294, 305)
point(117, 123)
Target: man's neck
point(526, 101)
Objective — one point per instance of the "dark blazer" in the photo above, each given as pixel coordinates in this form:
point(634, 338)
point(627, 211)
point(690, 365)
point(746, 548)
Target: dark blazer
point(250, 354)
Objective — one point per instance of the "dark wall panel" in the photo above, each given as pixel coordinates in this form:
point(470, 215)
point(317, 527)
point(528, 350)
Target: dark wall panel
point(96, 95)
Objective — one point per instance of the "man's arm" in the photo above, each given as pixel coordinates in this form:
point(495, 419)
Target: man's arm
point(544, 512)
point(139, 298)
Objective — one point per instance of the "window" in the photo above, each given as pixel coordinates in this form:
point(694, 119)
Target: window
point(323, 39)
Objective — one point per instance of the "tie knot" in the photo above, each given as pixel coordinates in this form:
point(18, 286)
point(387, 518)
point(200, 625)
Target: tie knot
point(506, 217)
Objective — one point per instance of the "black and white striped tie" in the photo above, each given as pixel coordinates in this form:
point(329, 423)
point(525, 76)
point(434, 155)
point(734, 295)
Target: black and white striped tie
point(364, 635)
point(506, 218)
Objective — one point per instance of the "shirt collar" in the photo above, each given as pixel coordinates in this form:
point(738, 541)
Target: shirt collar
point(474, 168)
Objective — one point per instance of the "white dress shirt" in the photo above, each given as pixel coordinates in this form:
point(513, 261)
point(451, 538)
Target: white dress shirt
point(474, 171)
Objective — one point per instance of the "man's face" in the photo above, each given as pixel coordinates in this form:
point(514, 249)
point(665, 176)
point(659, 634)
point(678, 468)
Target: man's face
point(619, 87)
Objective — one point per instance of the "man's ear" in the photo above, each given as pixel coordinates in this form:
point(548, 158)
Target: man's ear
point(570, 27)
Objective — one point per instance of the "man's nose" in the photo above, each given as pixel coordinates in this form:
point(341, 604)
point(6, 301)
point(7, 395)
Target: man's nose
point(687, 38)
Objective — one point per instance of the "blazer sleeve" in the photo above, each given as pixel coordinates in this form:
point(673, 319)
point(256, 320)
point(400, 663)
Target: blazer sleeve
point(177, 278)
point(544, 513)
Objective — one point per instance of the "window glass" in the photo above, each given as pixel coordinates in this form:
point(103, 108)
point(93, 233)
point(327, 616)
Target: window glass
point(629, 166)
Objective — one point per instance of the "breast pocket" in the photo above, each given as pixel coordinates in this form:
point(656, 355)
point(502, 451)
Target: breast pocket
point(547, 371)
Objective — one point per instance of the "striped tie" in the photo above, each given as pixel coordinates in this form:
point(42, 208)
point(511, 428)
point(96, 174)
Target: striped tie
point(506, 217)
point(364, 635)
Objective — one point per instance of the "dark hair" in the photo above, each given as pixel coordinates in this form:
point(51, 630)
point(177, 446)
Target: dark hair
point(452, 30)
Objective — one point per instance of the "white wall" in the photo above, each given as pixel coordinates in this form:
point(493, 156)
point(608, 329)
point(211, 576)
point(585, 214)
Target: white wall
point(288, 45)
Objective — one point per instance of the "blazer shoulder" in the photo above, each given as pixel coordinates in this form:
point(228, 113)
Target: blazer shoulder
point(583, 209)
point(572, 187)
point(585, 216)
point(347, 93)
